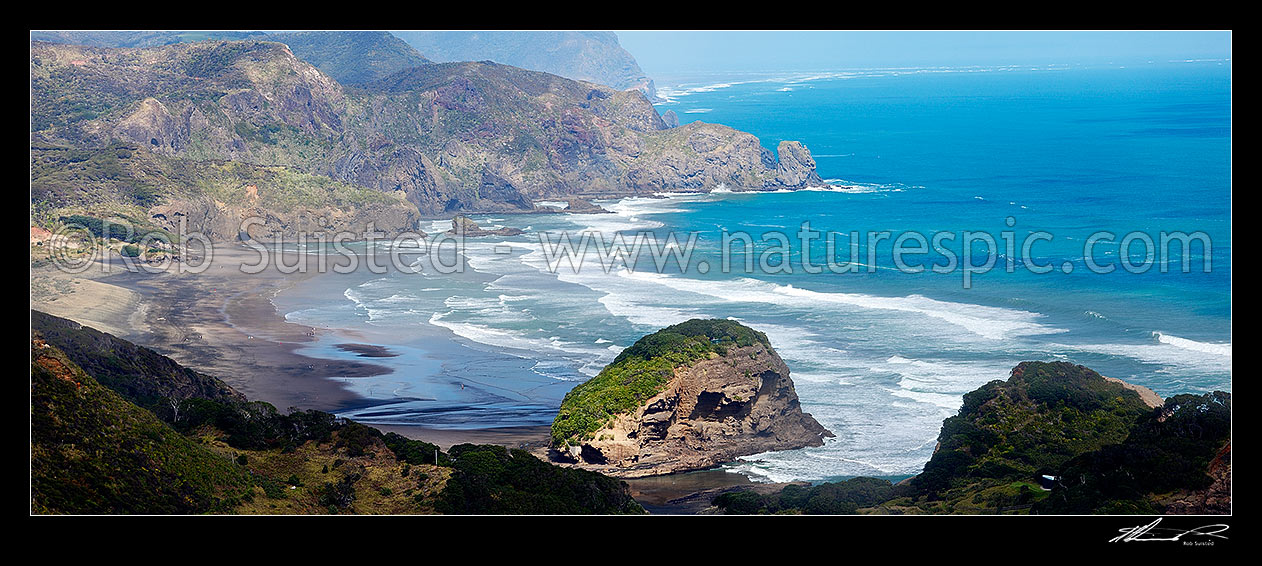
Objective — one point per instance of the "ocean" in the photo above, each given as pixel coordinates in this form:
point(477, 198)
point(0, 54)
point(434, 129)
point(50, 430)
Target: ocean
point(882, 355)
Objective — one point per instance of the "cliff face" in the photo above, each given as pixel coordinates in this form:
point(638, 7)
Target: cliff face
point(450, 138)
point(796, 167)
point(708, 411)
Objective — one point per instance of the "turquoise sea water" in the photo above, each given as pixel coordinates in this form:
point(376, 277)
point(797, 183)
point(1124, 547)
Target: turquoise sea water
point(879, 357)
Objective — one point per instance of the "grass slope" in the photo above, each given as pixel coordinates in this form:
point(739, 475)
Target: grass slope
point(94, 452)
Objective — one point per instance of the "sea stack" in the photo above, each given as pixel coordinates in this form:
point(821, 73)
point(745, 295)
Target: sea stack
point(688, 397)
point(463, 226)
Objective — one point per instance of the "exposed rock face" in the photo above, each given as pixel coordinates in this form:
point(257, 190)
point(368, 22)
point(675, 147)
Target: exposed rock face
point(581, 206)
point(712, 412)
point(796, 167)
point(671, 119)
point(1213, 500)
point(701, 156)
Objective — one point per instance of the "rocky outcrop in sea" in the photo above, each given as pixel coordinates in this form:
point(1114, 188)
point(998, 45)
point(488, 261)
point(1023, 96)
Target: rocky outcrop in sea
point(736, 401)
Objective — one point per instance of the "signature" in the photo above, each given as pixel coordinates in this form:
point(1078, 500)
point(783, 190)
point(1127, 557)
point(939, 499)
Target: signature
point(1151, 532)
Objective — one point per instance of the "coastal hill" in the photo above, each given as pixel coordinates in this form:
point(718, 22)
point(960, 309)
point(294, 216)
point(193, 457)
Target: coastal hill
point(688, 397)
point(232, 123)
point(154, 193)
point(593, 56)
point(1054, 438)
point(119, 429)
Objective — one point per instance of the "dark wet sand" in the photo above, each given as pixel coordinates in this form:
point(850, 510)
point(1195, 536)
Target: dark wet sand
point(222, 322)
point(530, 438)
point(366, 350)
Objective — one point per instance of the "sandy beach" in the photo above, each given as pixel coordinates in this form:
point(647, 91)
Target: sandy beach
point(531, 438)
point(222, 322)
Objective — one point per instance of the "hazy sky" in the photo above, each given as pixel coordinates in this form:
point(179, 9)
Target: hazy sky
point(666, 52)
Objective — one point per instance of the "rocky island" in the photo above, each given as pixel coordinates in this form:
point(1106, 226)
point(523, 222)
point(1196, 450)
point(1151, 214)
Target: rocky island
point(688, 397)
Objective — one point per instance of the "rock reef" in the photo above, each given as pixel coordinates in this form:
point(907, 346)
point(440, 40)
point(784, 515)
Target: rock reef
point(463, 226)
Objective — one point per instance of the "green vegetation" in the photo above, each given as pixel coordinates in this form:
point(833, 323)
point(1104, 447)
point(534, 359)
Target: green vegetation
point(114, 229)
point(641, 371)
point(216, 59)
point(94, 452)
point(1112, 453)
point(139, 374)
point(149, 436)
point(267, 133)
point(388, 121)
point(414, 451)
point(488, 479)
point(68, 96)
point(1045, 414)
point(1168, 450)
point(98, 179)
point(837, 498)
point(280, 188)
